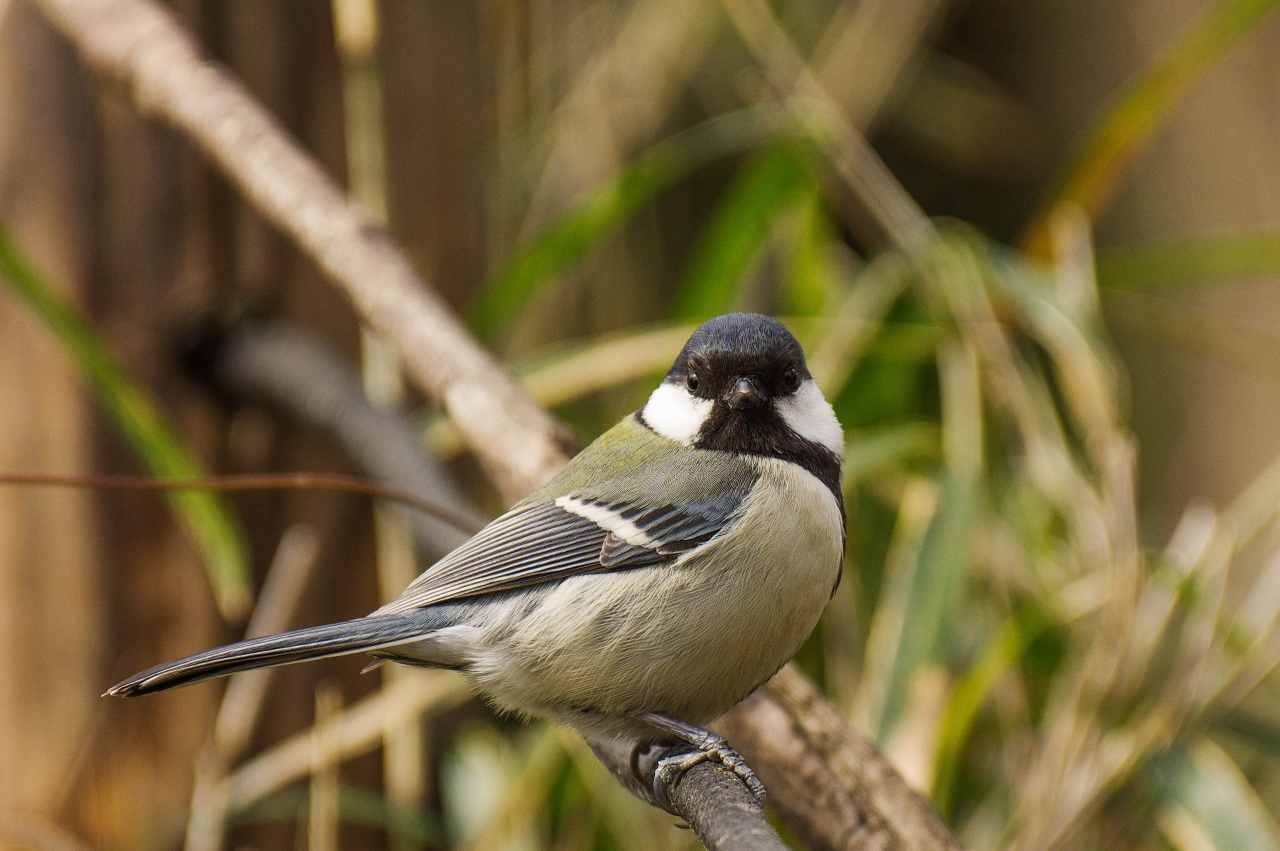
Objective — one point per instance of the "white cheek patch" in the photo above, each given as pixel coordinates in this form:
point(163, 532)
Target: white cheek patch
point(808, 414)
point(675, 413)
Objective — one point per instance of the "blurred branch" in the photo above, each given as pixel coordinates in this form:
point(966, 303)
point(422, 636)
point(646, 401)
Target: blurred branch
point(839, 791)
point(138, 44)
point(292, 370)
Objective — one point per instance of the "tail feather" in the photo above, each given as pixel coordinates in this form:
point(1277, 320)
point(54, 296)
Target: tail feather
point(299, 645)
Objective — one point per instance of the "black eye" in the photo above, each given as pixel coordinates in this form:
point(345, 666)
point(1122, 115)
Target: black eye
point(691, 381)
point(791, 380)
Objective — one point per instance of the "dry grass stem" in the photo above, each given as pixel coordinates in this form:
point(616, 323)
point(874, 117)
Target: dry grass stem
point(323, 817)
point(893, 214)
point(288, 577)
point(356, 730)
point(290, 574)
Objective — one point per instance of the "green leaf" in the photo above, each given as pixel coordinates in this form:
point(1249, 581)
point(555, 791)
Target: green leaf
point(139, 421)
point(929, 592)
point(1227, 258)
point(566, 240)
point(1123, 129)
point(1204, 797)
point(768, 185)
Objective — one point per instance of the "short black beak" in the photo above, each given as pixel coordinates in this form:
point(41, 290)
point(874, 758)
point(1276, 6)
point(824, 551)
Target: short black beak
point(746, 393)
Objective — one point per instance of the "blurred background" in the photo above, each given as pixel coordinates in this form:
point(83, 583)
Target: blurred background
point(1061, 400)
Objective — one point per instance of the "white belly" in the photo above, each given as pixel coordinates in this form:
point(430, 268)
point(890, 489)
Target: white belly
point(690, 639)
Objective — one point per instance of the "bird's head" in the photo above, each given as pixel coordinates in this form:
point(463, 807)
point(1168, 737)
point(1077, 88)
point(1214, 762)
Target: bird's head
point(740, 384)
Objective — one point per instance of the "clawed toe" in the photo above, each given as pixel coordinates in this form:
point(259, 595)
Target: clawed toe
point(704, 745)
point(670, 769)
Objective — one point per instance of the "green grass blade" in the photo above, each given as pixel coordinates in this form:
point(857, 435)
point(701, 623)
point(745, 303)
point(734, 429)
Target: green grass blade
point(566, 240)
point(1203, 796)
point(936, 580)
point(932, 587)
point(867, 452)
point(814, 277)
point(1124, 129)
point(205, 516)
point(1262, 733)
point(770, 184)
point(1229, 258)
point(970, 694)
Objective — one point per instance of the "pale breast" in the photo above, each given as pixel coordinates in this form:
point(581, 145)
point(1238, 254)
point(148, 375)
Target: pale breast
point(690, 638)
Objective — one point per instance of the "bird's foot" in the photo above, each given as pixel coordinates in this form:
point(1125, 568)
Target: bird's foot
point(672, 767)
point(704, 745)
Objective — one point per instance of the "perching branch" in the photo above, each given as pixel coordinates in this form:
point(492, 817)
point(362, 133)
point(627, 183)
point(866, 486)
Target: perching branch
point(138, 45)
point(715, 804)
point(834, 787)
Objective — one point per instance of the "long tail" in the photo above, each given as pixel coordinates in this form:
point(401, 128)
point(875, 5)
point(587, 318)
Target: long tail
point(299, 645)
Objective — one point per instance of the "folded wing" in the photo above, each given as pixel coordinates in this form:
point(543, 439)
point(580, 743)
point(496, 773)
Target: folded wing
point(574, 534)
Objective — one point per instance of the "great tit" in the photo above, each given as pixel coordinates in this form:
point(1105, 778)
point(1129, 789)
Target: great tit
point(671, 568)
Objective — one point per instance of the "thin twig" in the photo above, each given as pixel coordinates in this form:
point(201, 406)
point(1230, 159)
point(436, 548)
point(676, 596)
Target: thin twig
point(244, 482)
point(357, 24)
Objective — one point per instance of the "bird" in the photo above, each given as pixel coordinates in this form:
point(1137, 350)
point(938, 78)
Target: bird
point(669, 570)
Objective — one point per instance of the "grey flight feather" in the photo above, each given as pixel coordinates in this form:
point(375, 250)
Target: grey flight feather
point(299, 645)
point(548, 541)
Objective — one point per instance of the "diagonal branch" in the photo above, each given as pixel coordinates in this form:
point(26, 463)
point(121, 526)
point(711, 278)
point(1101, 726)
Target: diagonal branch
point(138, 45)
